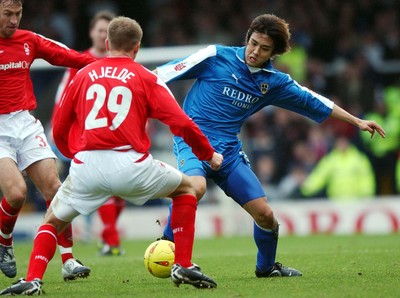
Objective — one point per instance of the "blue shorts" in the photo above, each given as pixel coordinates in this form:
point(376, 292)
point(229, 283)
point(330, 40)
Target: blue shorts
point(235, 177)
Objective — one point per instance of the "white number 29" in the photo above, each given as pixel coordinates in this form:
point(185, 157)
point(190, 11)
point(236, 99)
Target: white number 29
point(98, 93)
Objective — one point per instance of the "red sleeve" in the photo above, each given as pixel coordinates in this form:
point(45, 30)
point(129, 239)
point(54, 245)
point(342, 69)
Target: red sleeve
point(63, 118)
point(62, 87)
point(167, 110)
point(192, 136)
point(59, 54)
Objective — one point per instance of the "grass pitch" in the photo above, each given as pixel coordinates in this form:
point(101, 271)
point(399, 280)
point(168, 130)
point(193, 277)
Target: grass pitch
point(332, 266)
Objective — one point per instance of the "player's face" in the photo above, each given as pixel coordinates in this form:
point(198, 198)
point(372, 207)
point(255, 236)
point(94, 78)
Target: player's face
point(259, 49)
point(98, 34)
point(10, 16)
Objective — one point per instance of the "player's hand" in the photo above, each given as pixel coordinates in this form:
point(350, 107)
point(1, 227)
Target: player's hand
point(216, 161)
point(372, 127)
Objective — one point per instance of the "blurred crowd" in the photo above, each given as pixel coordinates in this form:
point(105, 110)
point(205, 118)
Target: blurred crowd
point(348, 51)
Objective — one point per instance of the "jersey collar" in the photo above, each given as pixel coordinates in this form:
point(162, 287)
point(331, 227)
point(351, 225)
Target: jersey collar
point(240, 55)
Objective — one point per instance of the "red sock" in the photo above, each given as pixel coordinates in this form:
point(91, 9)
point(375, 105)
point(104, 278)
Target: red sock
point(183, 217)
point(65, 240)
point(44, 248)
point(109, 215)
point(8, 218)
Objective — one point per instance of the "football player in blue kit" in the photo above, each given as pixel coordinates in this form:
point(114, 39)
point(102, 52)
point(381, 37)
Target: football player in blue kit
point(231, 84)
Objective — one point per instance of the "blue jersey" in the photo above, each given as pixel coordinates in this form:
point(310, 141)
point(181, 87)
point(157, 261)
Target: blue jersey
point(226, 91)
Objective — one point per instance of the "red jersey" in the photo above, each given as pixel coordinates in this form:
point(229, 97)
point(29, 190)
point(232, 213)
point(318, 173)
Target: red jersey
point(16, 56)
point(107, 105)
point(65, 81)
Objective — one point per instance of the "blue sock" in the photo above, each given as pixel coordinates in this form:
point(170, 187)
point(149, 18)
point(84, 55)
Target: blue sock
point(168, 230)
point(267, 243)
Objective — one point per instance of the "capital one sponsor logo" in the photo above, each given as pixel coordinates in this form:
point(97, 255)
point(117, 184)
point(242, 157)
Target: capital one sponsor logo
point(14, 65)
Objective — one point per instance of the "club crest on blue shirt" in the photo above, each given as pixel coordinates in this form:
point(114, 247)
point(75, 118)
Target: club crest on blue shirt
point(264, 88)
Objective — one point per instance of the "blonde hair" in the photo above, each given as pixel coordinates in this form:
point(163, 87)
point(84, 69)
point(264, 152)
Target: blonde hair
point(124, 34)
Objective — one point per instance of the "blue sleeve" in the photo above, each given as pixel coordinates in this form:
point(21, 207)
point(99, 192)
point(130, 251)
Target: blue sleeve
point(195, 66)
point(299, 99)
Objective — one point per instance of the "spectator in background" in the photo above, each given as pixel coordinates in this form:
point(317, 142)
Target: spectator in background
point(265, 167)
point(384, 153)
point(295, 63)
point(345, 173)
point(304, 156)
point(110, 211)
point(289, 186)
point(303, 159)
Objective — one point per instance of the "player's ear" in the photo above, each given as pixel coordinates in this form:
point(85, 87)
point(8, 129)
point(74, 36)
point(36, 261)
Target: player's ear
point(136, 48)
point(107, 46)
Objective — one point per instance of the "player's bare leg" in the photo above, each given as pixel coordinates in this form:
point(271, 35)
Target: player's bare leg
point(45, 176)
point(13, 186)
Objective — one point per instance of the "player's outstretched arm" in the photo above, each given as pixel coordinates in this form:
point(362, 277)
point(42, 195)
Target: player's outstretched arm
point(216, 161)
point(364, 125)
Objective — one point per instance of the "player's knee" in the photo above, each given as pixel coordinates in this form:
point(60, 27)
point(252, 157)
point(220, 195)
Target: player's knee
point(199, 191)
point(186, 187)
point(192, 186)
point(199, 186)
point(265, 218)
point(16, 195)
point(51, 188)
point(58, 224)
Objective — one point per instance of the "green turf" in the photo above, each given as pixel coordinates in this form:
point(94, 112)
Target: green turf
point(332, 266)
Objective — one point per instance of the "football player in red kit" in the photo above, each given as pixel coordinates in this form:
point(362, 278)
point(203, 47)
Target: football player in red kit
point(23, 144)
point(110, 211)
point(101, 125)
